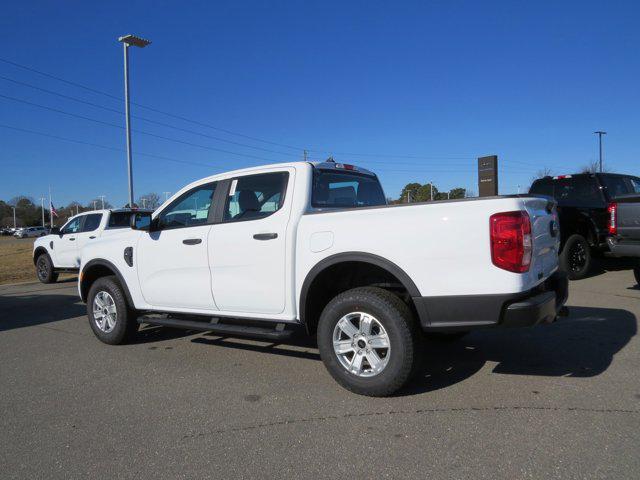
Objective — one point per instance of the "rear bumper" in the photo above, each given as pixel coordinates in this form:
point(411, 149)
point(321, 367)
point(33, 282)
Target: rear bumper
point(468, 312)
point(623, 248)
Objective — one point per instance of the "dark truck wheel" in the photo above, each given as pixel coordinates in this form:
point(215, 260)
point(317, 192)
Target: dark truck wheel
point(44, 269)
point(576, 258)
point(110, 318)
point(367, 341)
point(636, 273)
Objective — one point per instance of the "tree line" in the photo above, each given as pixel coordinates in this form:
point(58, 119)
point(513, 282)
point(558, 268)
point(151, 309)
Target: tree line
point(417, 192)
point(28, 213)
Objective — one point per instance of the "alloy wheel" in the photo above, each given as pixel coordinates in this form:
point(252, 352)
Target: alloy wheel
point(105, 313)
point(361, 344)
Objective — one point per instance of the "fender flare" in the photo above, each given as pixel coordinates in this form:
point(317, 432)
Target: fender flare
point(104, 263)
point(362, 257)
point(38, 251)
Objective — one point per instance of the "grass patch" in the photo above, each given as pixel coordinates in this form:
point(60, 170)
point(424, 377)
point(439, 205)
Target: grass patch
point(16, 261)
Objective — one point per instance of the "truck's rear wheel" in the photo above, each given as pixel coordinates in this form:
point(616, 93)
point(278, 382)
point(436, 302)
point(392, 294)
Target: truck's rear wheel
point(110, 318)
point(576, 258)
point(636, 272)
point(45, 270)
point(367, 341)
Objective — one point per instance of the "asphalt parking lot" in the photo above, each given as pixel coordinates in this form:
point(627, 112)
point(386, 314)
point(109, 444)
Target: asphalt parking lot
point(558, 401)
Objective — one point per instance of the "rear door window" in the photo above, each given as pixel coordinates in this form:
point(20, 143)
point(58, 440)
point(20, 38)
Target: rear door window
point(578, 191)
point(256, 196)
point(91, 222)
point(619, 185)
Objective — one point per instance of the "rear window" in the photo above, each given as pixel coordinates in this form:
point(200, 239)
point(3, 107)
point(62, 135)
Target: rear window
point(578, 191)
point(620, 186)
point(334, 189)
point(542, 187)
point(119, 220)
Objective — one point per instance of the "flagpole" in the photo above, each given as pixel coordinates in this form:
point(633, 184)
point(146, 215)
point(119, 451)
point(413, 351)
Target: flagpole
point(50, 212)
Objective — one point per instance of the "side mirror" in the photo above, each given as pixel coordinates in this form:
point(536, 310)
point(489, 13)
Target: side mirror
point(141, 221)
point(55, 231)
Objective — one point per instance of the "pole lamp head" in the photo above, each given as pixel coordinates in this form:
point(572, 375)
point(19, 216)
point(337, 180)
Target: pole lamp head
point(600, 132)
point(133, 41)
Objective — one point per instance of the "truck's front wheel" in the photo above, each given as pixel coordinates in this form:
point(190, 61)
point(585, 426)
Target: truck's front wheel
point(45, 269)
point(367, 341)
point(110, 318)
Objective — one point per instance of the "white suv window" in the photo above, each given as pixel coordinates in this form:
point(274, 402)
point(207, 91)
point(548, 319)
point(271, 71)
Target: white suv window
point(190, 209)
point(256, 196)
point(72, 226)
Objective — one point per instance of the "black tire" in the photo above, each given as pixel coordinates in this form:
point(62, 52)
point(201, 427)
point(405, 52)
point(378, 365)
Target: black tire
point(636, 273)
point(396, 319)
point(44, 269)
point(125, 325)
point(576, 258)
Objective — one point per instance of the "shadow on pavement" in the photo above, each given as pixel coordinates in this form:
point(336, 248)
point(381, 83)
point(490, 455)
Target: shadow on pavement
point(581, 345)
point(29, 309)
point(603, 265)
point(297, 346)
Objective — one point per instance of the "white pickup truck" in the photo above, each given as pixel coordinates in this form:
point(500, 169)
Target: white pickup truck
point(254, 251)
point(60, 250)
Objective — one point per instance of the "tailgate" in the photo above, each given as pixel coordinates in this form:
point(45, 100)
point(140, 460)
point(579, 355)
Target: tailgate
point(628, 217)
point(545, 232)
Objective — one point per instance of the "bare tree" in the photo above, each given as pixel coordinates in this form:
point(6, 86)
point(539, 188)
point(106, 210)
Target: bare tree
point(150, 200)
point(593, 167)
point(543, 172)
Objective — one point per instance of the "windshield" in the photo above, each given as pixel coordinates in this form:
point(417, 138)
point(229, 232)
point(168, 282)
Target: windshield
point(343, 189)
point(621, 185)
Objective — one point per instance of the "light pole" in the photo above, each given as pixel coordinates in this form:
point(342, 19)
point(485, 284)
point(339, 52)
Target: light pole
point(600, 133)
point(128, 41)
point(166, 195)
point(42, 208)
point(14, 218)
point(102, 200)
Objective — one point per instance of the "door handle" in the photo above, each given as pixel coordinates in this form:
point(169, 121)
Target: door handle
point(192, 241)
point(72, 239)
point(265, 236)
point(92, 237)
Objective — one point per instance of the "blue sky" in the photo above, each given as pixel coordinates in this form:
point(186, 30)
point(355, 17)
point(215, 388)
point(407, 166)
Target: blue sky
point(427, 86)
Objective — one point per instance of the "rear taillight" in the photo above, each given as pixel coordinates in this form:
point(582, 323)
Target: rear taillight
point(612, 209)
point(511, 242)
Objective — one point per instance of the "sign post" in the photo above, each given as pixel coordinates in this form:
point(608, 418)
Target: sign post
point(488, 176)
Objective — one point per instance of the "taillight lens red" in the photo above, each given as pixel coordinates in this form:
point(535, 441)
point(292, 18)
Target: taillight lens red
point(613, 218)
point(511, 241)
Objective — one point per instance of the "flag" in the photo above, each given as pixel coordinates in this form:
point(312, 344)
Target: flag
point(53, 210)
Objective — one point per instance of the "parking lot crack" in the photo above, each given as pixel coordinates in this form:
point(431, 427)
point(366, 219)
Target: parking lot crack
point(419, 411)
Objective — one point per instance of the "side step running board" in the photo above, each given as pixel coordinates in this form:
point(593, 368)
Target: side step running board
point(277, 333)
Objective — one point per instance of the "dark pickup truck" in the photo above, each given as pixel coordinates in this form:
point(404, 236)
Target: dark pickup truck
point(598, 212)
